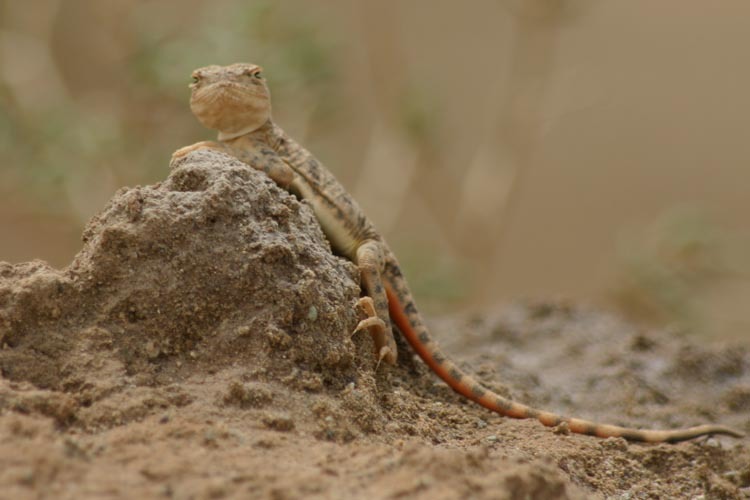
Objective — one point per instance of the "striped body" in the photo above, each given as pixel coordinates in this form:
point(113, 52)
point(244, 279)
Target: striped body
point(353, 236)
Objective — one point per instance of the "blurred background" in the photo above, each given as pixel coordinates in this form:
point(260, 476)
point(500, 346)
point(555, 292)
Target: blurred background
point(594, 150)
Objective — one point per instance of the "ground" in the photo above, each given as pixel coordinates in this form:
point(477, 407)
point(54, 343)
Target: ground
point(199, 346)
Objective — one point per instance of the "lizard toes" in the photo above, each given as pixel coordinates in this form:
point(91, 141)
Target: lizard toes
point(366, 323)
point(387, 355)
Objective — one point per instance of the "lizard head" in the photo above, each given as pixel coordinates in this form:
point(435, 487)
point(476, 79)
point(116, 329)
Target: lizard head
point(232, 99)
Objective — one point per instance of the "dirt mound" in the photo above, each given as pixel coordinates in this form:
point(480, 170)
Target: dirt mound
point(200, 346)
point(212, 269)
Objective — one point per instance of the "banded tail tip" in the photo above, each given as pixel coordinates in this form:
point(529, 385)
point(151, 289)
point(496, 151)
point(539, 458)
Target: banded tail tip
point(729, 432)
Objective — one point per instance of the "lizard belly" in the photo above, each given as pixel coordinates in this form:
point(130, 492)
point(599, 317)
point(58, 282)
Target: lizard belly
point(334, 227)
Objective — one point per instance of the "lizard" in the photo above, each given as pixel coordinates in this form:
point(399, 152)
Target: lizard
point(235, 101)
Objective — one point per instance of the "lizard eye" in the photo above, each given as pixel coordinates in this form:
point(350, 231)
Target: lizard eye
point(195, 79)
point(257, 75)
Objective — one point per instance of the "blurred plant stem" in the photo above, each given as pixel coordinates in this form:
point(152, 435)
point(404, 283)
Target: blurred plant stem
point(491, 191)
point(389, 159)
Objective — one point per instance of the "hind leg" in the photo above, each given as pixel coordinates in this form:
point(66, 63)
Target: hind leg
point(370, 261)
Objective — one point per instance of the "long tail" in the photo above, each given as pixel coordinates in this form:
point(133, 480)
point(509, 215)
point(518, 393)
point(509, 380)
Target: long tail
point(405, 315)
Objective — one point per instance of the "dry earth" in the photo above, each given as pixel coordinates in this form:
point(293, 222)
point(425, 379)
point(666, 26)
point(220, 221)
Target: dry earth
point(199, 347)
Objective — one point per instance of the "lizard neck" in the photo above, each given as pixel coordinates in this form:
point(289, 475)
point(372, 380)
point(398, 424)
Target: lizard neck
point(274, 135)
point(250, 129)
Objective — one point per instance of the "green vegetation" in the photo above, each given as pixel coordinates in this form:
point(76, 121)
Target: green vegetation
point(672, 267)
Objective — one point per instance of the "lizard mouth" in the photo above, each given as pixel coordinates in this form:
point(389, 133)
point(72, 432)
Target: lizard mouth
point(231, 106)
point(231, 90)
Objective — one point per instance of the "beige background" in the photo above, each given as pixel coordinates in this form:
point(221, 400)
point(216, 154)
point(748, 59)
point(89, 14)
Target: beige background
point(594, 150)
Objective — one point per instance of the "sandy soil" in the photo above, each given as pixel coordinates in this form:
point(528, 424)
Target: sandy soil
point(199, 347)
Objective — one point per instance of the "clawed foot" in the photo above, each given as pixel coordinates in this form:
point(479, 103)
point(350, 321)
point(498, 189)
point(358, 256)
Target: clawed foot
point(385, 354)
point(373, 322)
point(372, 319)
point(378, 329)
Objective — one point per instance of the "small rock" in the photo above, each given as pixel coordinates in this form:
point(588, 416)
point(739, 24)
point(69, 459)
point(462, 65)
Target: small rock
point(277, 422)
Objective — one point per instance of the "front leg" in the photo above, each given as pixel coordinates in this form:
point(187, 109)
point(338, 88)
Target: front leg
point(258, 157)
point(199, 145)
point(371, 262)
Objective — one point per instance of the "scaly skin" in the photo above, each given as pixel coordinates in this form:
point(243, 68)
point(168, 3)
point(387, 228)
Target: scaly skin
point(235, 101)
